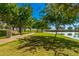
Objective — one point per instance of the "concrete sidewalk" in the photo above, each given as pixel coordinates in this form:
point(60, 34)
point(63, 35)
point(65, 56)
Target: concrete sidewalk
point(13, 38)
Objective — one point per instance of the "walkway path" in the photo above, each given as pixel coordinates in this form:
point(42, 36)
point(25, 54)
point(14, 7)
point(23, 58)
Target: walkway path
point(13, 38)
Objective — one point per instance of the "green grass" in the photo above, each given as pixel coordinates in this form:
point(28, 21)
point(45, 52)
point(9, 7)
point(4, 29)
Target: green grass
point(58, 36)
point(41, 44)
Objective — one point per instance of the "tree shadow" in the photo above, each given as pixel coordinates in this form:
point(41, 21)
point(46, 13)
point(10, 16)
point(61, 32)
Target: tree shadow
point(48, 43)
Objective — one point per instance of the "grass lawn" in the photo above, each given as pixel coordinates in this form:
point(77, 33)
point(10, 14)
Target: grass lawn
point(42, 44)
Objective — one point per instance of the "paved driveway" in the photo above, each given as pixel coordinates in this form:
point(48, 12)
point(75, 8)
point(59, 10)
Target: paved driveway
point(13, 38)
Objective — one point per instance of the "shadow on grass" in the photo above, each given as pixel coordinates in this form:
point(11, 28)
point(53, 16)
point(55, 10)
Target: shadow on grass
point(48, 43)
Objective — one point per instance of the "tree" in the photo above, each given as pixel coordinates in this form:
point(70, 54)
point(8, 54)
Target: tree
point(70, 28)
point(41, 25)
point(15, 16)
point(6, 14)
point(61, 28)
point(77, 28)
point(30, 22)
point(24, 13)
point(61, 14)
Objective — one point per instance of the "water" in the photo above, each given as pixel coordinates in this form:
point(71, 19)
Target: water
point(74, 35)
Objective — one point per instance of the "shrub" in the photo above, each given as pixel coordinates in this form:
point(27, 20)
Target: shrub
point(2, 33)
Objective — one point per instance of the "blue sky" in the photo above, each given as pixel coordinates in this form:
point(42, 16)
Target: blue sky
point(37, 7)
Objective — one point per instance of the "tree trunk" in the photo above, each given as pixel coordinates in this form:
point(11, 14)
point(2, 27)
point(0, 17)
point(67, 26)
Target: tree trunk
point(13, 28)
point(9, 33)
point(57, 27)
point(24, 29)
point(41, 30)
point(56, 33)
point(30, 29)
point(20, 30)
point(37, 30)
